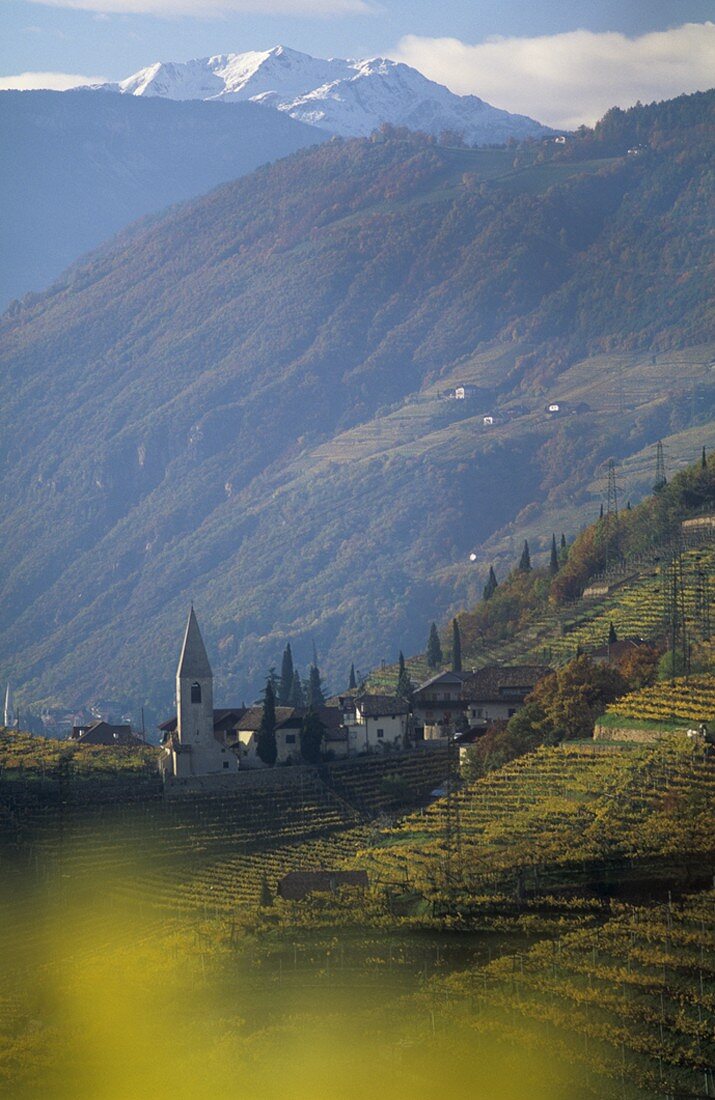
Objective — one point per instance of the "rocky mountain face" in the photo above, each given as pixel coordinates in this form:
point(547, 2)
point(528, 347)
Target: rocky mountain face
point(247, 402)
point(81, 167)
point(347, 97)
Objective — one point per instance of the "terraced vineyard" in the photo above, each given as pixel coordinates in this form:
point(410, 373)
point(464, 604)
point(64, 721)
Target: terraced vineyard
point(234, 884)
point(689, 699)
point(642, 608)
point(632, 1000)
point(552, 819)
point(638, 605)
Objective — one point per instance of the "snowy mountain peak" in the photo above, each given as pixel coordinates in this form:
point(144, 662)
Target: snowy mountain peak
point(348, 97)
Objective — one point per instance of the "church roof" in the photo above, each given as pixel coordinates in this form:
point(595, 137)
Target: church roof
point(194, 659)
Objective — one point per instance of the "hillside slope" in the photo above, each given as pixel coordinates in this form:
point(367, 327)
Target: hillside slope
point(80, 167)
point(250, 395)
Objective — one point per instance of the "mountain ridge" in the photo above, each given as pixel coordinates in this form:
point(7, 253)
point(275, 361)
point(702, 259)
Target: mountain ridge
point(348, 97)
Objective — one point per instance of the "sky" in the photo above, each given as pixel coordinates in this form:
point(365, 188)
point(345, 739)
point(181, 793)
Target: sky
point(561, 62)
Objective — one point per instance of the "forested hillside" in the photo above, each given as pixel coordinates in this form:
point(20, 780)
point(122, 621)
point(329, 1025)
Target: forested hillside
point(243, 404)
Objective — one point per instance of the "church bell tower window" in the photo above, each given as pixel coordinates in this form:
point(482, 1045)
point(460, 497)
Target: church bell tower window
point(196, 693)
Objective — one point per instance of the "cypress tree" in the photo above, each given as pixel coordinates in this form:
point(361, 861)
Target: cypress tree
point(525, 559)
point(297, 696)
point(404, 683)
point(600, 514)
point(456, 647)
point(353, 682)
point(285, 685)
point(703, 460)
point(554, 559)
point(612, 636)
point(563, 541)
point(314, 694)
point(492, 584)
point(266, 898)
point(434, 648)
point(312, 732)
point(266, 736)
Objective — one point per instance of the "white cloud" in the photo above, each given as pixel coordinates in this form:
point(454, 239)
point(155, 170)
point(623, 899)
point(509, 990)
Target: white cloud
point(57, 82)
point(211, 8)
point(571, 78)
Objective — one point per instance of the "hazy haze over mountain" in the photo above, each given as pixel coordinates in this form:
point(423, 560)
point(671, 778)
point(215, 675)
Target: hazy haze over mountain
point(84, 166)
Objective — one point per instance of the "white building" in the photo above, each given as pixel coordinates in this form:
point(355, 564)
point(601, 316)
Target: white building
point(375, 723)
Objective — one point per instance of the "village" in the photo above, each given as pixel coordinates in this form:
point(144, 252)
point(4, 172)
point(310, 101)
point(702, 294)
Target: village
point(201, 740)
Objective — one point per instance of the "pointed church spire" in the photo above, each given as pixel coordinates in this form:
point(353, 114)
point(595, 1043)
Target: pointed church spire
point(194, 659)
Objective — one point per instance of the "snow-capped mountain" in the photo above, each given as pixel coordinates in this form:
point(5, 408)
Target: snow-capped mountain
point(347, 97)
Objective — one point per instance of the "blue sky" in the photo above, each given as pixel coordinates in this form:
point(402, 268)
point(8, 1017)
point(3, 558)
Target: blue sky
point(634, 43)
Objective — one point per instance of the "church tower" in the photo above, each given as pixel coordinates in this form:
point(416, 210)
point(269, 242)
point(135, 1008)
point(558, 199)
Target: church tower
point(206, 751)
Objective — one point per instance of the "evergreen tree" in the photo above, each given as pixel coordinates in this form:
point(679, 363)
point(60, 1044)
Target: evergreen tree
point(434, 648)
point(312, 732)
point(703, 460)
point(612, 636)
point(297, 696)
point(405, 687)
point(525, 559)
point(456, 647)
point(266, 736)
point(563, 541)
point(563, 551)
point(353, 682)
point(314, 694)
point(554, 559)
point(285, 685)
point(492, 584)
point(600, 514)
point(266, 898)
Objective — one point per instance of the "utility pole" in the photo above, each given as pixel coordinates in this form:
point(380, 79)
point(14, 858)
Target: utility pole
point(453, 826)
point(660, 478)
point(677, 614)
point(702, 603)
point(613, 552)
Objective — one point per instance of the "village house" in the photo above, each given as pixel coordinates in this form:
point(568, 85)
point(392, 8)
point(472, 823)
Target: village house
point(296, 885)
point(104, 733)
point(243, 736)
point(612, 652)
point(376, 723)
point(497, 692)
point(437, 705)
point(452, 701)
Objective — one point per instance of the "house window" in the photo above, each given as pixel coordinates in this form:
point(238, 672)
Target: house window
point(290, 739)
point(196, 693)
point(225, 763)
point(477, 712)
point(380, 733)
